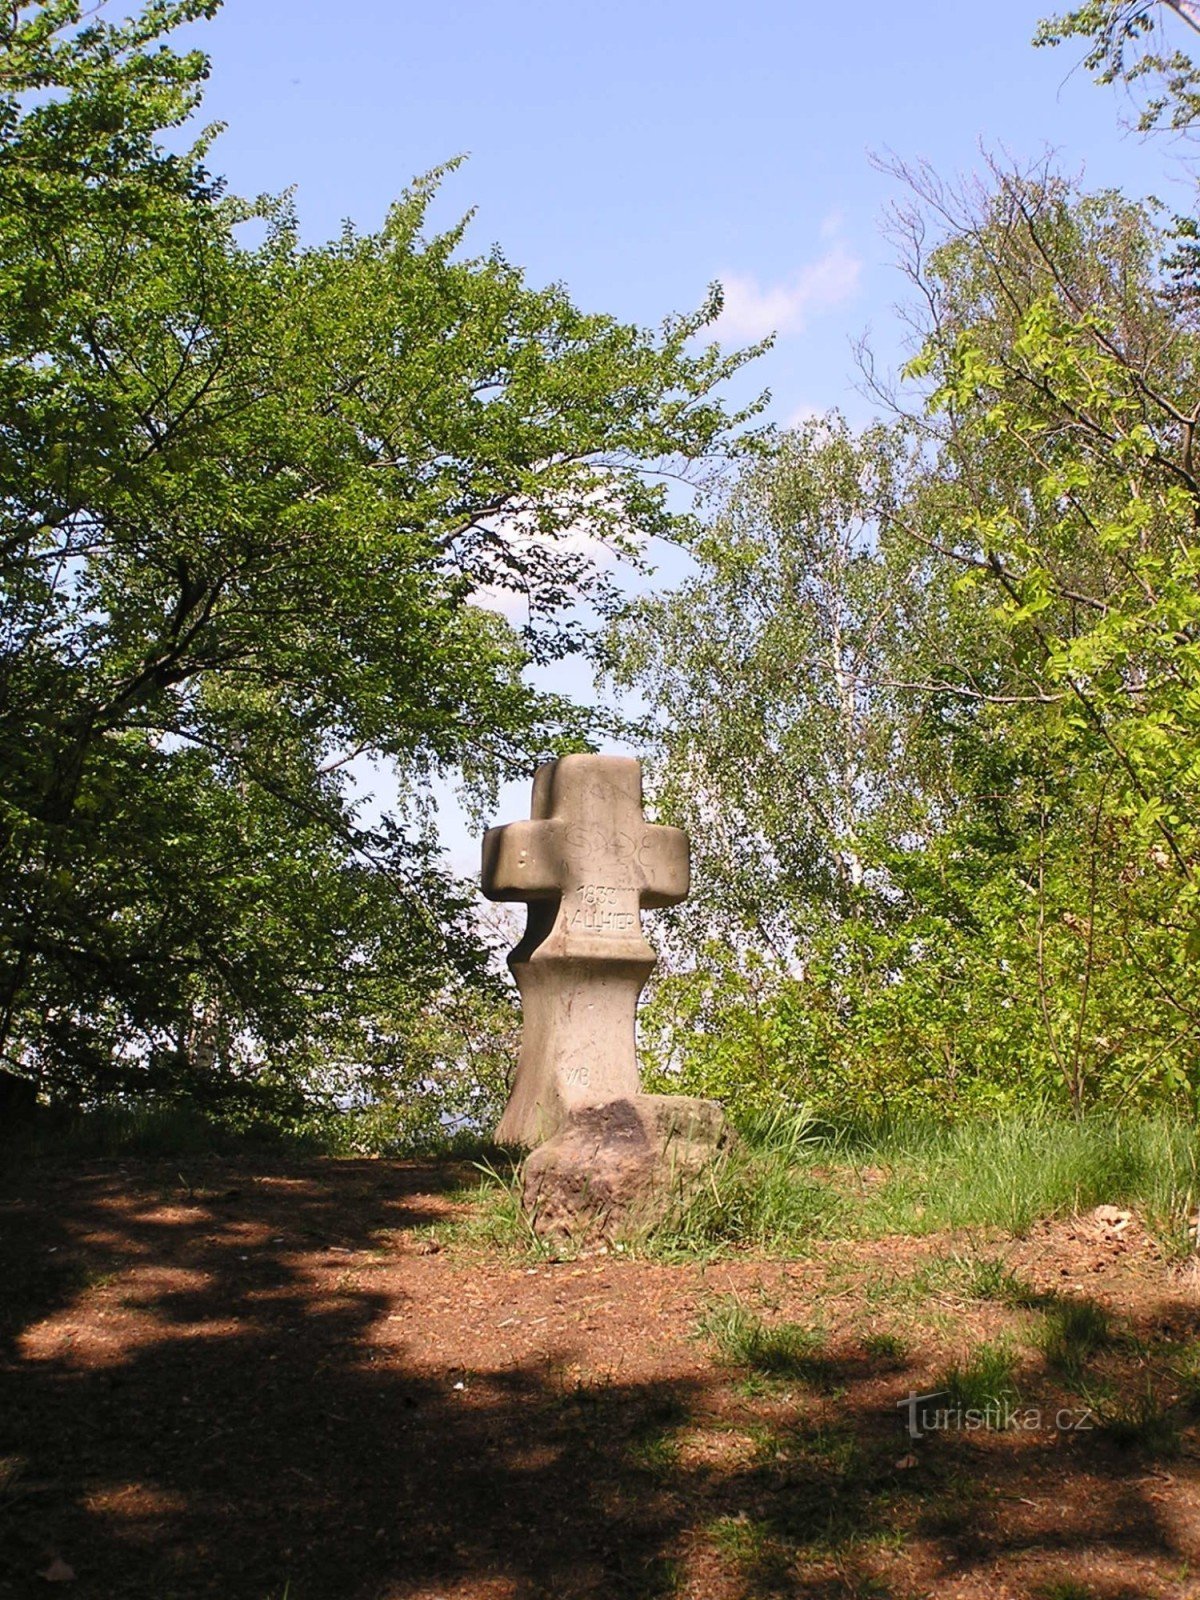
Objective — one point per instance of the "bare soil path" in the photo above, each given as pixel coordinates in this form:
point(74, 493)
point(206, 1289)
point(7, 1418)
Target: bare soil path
point(265, 1378)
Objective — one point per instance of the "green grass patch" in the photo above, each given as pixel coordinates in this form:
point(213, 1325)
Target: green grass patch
point(1009, 1174)
point(985, 1382)
point(952, 1278)
point(1072, 1331)
point(1185, 1370)
point(750, 1544)
point(792, 1184)
point(496, 1221)
point(1144, 1421)
point(772, 1349)
point(830, 1450)
point(753, 1199)
point(988, 1278)
point(885, 1349)
point(654, 1447)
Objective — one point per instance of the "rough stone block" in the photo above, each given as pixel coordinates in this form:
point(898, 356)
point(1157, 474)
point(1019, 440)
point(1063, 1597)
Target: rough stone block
point(616, 1167)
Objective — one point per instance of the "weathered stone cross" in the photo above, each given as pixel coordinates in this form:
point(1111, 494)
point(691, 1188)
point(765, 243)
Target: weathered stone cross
point(586, 863)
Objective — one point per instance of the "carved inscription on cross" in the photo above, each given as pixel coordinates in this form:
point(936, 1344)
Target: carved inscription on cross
point(586, 863)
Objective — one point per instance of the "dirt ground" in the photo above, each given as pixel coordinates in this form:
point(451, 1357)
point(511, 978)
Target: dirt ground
point(278, 1379)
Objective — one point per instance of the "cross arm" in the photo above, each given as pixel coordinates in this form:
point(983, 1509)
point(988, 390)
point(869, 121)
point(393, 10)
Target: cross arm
point(522, 861)
point(667, 865)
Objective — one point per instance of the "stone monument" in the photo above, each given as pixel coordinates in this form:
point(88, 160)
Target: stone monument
point(586, 864)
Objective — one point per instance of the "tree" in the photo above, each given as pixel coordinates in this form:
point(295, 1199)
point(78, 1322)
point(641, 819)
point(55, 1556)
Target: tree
point(929, 708)
point(823, 952)
point(1062, 365)
point(772, 731)
point(954, 853)
point(252, 497)
point(1123, 47)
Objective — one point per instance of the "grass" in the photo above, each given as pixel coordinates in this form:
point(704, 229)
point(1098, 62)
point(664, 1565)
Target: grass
point(885, 1349)
point(1012, 1173)
point(758, 1198)
point(657, 1454)
point(496, 1221)
point(783, 1190)
point(654, 1448)
point(773, 1349)
point(791, 1182)
point(984, 1382)
point(831, 1449)
point(988, 1278)
point(1072, 1331)
point(1185, 1370)
point(821, 1489)
point(1142, 1421)
point(789, 1186)
point(821, 1503)
point(951, 1278)
point(750, 1544)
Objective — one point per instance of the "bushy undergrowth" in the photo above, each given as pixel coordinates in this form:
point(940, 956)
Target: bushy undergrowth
point(161, 1128)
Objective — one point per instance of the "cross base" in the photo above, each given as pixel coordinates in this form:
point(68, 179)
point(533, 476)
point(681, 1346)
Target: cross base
point(578, 1042)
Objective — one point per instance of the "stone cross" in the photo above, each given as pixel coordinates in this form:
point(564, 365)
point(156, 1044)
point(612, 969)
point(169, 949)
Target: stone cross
point(586, 863)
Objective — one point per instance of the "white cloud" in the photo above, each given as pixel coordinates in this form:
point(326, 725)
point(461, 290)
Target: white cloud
point(753, 309)
point(582, 537)
point(803, 414)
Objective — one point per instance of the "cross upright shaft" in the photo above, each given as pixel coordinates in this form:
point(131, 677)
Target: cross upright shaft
point(586, 863)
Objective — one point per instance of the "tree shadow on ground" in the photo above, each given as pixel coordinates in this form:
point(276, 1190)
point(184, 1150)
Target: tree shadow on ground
point(236, 1432)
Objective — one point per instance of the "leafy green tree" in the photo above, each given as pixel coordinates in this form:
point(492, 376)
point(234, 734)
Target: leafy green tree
point(257, 499)
point(1127, 44)
point(824, 951)
point(930, 711)
point(931, 708)
point(773, 733)
point(1064, 382)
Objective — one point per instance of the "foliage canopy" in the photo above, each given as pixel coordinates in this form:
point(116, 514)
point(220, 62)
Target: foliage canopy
point(265, 507)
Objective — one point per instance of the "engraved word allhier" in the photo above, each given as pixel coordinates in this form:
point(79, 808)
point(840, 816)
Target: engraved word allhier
point(598, 913)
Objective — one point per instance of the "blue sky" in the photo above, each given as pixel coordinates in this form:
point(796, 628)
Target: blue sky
point(636, 152)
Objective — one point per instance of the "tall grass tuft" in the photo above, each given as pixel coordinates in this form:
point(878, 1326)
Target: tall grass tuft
point(752, 1199)
point(776, 1349)
point(793, 1181)
point(1073, 1330)
point(984, 1382)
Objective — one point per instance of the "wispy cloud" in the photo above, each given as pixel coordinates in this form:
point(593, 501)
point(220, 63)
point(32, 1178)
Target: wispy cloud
point(803, 414)
point(753, 309)
point(587, 538)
